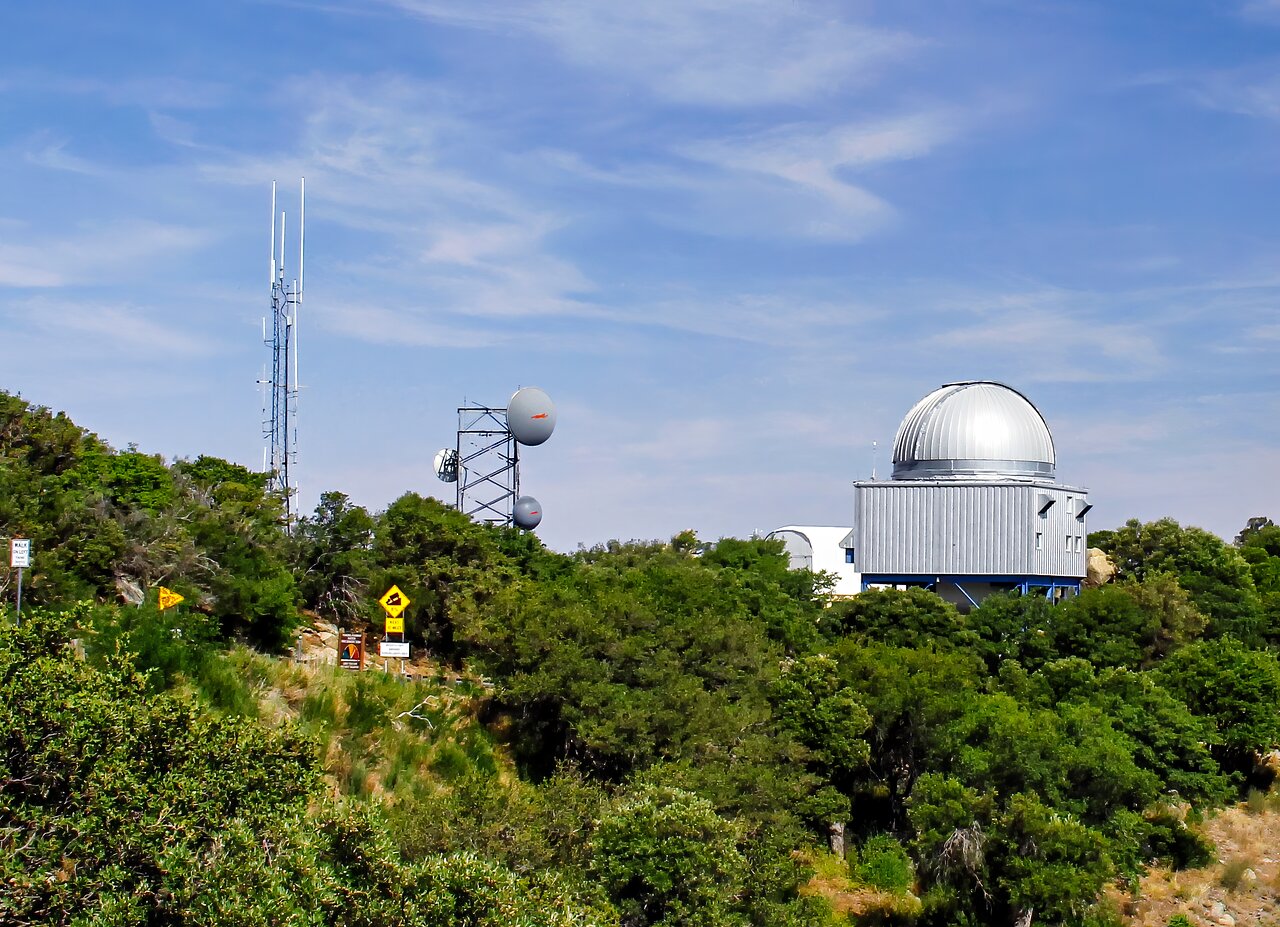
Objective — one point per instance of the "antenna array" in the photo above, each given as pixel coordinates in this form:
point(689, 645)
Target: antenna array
point(280, 382)
point(485, 463)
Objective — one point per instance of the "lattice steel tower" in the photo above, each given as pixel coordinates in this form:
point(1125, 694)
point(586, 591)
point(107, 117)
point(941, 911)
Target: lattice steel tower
point(280, 380)
point(486, 462)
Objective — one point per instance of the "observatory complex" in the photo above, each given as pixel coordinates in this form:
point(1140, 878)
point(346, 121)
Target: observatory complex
point(973, 506)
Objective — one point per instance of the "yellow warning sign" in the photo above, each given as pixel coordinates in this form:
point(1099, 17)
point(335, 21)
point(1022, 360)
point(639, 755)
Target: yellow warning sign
point(393, 603)
point(169, 598)
point(395, 625)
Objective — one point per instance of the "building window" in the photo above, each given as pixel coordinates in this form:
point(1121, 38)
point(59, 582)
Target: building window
point(1039, 540)
point(848, 555)
point(1068, 543)
point(1079, 544)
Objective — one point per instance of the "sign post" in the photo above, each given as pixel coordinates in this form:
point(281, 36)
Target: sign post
point(19, 559)
point(169, 598)
point(351, 650)
point(394, 602)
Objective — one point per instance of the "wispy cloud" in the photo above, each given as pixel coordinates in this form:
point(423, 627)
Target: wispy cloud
point(389, 156)
point(1246, 92)
point(153, 92)
point(809, 164)
point(99, 326)
point(791, 182)
point(1265, 10)
point(716, 52)
point(95, 253)
point(53, 154)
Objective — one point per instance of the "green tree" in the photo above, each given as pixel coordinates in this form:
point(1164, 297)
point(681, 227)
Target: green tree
point(1046, 864)
point(334, 556)
point(666, 858)
point(438, 556)
point(239, 529)
point(1105, 626)
point(1236, 689)
point(1259, 544)
point(1014, 627)
point(911, 618)
point(812, 703)
point(914, 697)
point(1173, 618)
point(1214, 573)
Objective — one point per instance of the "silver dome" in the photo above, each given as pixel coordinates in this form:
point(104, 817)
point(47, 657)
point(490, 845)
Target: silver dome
point(973, 430)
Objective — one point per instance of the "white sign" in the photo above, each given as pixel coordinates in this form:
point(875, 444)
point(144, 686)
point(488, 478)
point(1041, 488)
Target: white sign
point(394, 649)
point(19, 552)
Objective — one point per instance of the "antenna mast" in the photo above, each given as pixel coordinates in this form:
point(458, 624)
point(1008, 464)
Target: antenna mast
point(280, 382)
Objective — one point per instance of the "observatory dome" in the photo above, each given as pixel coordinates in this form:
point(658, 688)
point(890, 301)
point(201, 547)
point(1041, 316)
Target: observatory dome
point(973, 430)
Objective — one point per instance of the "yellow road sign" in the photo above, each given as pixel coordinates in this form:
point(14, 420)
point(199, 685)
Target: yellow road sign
point(393, 603)
point(169, 598)
point(395, 625)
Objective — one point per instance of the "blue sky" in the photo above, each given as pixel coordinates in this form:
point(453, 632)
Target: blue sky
point(735, 241)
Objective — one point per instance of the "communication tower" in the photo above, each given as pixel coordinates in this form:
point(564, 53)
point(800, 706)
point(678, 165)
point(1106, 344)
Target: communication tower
point(485, 464)
point(280, 379)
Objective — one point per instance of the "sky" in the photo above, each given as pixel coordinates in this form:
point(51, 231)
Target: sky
point(734, 241)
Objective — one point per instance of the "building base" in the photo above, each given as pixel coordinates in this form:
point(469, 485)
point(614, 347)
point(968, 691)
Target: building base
point(967, 592)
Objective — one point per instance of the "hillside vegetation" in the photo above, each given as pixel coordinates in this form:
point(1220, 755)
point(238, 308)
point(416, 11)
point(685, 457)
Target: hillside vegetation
point(675, 733)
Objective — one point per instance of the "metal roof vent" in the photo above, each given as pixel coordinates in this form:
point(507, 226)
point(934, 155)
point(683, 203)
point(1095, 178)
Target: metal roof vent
point(974, 430)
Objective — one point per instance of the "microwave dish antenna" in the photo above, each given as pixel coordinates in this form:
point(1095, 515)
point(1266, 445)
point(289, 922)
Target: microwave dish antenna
point(531, 416)
point(527, 513)
point(446, 465)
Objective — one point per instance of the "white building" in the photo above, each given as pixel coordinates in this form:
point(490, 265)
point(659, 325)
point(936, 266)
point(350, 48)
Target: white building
point(821, 548)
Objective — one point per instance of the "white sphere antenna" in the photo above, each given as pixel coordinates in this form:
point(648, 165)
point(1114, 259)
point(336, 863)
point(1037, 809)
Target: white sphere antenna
point(531, 416)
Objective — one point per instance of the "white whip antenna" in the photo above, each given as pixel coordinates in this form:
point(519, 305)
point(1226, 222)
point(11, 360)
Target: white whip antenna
point(280, 384)
point(271, 281)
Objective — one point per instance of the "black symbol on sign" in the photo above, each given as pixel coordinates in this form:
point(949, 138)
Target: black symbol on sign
point(393, 599)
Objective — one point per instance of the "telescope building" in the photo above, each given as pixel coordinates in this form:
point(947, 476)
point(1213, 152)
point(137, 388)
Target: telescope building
point(973, 505)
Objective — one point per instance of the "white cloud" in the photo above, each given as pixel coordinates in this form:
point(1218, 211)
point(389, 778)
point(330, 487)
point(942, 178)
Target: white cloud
point(717, 52)
point(1248, 92)
point(53, 155)
point(387, 156)
point(788, 182)
point(95, 253)
point(68, 327)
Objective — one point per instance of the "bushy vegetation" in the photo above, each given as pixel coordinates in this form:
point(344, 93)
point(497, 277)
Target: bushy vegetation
point(638, 734)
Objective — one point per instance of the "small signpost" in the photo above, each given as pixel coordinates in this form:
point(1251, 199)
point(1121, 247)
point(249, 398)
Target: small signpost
point(169, 598)
point(394, 649)
point(351, 650)
point(394, 602)
point(19, 559)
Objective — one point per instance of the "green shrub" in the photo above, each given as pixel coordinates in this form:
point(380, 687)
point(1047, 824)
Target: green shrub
point(450, 762)
point(884, 864)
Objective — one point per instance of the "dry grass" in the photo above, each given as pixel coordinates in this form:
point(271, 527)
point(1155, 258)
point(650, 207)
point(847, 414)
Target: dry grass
point(851, 899)
point(1245, 879)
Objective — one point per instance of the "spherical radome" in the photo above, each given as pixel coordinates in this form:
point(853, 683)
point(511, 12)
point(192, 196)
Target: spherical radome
point(973, 430)
point(527, 513)
point(531, 416)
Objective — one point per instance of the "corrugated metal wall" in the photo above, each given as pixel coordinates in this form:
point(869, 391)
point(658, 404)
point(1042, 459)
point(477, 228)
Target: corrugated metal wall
point(977, 529)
